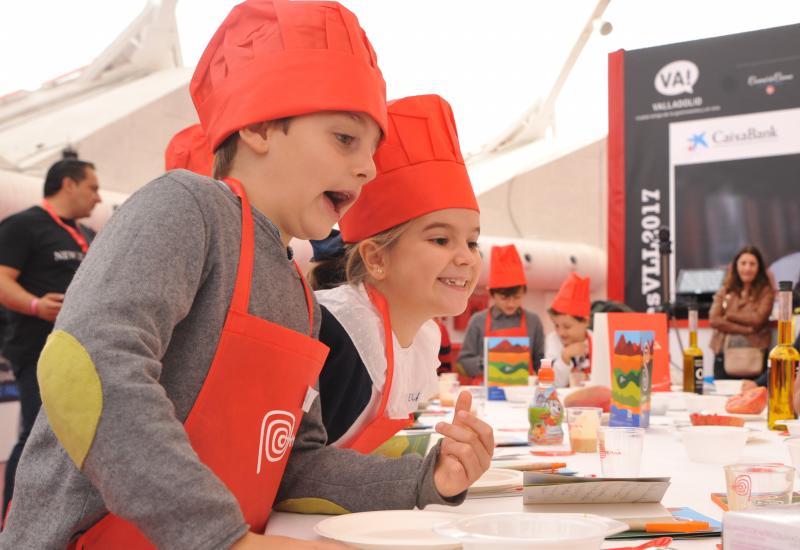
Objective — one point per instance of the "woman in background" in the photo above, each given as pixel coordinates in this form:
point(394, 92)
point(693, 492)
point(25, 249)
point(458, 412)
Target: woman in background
point(740, 318)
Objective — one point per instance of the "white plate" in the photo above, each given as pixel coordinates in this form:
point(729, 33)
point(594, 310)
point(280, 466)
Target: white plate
point(389, 530)
point(757, 436)
point(531, 530)
point(793, 426)
point(497, 479)
point(727, 387)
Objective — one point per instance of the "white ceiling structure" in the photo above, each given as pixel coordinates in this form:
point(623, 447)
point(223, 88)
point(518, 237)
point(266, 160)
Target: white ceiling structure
point(119, 111)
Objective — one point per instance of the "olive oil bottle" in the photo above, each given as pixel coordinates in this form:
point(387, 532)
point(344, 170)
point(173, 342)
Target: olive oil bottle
point(693, 358)
point(783, 361)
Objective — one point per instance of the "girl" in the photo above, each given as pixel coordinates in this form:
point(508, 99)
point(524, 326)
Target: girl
point(411, 255)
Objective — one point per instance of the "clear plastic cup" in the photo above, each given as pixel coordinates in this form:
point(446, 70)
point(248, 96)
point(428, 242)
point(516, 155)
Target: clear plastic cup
point(620, 450)
point(478, 399)
point(448, 390)
point(583, 423)
point(751, 485)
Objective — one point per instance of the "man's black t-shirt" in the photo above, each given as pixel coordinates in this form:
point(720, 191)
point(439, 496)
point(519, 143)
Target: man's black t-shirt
point(47, 258)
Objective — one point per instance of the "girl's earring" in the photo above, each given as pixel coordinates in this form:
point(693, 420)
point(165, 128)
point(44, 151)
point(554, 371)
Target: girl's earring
point(379, 271)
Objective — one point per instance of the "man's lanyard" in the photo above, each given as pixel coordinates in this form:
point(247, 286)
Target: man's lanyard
point(74, 233)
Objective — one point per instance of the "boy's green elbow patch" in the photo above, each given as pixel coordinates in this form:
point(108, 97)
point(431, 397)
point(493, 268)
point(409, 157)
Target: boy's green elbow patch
point(72, 395)
point(310, 506)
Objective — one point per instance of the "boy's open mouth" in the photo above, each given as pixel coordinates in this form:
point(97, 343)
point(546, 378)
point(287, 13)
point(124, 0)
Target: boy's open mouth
point(340, 199)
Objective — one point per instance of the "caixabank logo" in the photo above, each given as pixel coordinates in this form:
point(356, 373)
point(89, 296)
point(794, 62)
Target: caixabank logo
point(723, 137)
point(698, 140)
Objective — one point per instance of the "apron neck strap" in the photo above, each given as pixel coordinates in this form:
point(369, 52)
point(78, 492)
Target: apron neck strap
point(487, 329)
point(244, 276)
point(309, 298)
point(380, 303)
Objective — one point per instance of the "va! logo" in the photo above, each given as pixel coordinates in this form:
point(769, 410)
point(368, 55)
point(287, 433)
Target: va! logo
point(678, 77)
point(277, 436)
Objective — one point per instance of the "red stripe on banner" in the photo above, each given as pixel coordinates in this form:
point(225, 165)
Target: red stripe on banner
point(616, 176)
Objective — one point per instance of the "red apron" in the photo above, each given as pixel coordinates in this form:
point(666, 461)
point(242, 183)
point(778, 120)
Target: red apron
point(521, 330)
point(380, 428)
point(248, 411)
point(589, 353)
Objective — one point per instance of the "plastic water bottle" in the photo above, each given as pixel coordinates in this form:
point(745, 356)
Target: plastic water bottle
point(545, 413)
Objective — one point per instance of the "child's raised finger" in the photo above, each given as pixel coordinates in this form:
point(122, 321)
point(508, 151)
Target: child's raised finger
point(463, 403)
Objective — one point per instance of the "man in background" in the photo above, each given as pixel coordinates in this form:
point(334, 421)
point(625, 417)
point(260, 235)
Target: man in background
point(40, 251)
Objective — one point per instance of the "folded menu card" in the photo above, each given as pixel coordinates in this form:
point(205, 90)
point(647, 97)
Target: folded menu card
point(544, 488)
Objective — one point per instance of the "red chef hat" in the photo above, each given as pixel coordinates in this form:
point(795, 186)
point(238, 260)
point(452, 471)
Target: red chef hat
point(273, 59)
point(420, 170)
point(505, 268)
point(573, 297)
point(189, 149)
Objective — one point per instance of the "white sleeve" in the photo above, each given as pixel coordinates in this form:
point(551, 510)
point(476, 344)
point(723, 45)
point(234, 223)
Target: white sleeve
point(432, 335)
point(553, 347)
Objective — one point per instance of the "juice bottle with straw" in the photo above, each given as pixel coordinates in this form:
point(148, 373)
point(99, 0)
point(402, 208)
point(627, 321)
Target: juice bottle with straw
point(545, 413)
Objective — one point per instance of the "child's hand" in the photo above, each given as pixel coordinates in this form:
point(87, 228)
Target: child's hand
point(466, 451)
point(575, 349)
point(251, 541)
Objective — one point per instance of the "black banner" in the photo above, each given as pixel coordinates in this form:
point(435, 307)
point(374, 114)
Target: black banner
point(712, 151)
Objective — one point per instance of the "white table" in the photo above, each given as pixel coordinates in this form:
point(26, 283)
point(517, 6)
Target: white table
point(663, 455)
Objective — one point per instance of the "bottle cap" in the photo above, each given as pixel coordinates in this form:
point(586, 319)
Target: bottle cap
point(546, 374)
point(784, 286)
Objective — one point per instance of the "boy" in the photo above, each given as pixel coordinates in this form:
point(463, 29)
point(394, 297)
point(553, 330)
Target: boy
point(506, 317)
point(176, 380)
point(570, 344)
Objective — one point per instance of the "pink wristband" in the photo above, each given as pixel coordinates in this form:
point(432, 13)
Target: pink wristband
point(34, 303)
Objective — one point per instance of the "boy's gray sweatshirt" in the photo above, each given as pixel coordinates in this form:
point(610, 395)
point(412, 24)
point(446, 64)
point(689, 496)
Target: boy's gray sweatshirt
point(148, 305)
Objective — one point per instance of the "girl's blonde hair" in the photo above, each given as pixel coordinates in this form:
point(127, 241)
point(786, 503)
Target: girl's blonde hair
point(349, 267)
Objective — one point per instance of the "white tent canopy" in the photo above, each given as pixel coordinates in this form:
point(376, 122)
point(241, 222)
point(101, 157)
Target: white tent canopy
point(121, 110)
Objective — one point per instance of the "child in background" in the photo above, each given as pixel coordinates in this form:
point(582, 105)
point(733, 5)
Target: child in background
point(411, 256)
point(505, 317)
point(178, 384)
point(445, 349)
point(569, 346)
point(189, 149)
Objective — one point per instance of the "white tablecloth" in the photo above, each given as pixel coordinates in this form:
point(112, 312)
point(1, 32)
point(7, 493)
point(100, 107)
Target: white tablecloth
point(663, 455)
